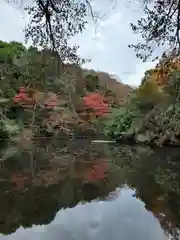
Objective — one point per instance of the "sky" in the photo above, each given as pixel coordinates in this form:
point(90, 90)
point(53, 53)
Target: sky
point(105, 43)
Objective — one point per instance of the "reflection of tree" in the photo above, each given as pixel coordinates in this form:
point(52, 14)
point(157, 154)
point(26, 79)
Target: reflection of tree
point(66, 173)
point(62, 178)
point(155, 176)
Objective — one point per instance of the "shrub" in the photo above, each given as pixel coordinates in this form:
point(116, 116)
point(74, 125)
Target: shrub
point(121, 121)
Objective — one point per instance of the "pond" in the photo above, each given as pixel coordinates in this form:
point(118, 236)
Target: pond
point(80, 190)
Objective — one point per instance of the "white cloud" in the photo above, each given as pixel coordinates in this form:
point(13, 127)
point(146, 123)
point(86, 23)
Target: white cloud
point(12, 23)
point(106, 46)
point(135, 79)
point(100, 46)
point(114, 20)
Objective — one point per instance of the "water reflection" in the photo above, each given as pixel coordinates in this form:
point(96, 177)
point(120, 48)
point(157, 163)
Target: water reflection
point(67, 190)
point(122, 218)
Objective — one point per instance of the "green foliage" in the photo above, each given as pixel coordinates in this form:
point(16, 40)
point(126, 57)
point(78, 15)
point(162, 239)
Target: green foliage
point(126, 118)
point(147, 96)
point(172, 88)
point(31, 69)
point(129, 117)
point(9, 51)
point(8, 128)
point(92, 83)
point(121, 121)
point(46, 80)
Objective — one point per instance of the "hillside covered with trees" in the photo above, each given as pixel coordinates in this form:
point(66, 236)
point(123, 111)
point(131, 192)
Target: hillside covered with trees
point(40, 96)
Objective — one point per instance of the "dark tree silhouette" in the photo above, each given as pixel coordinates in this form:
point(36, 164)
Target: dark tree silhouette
point(159, 27)
point(52, 23)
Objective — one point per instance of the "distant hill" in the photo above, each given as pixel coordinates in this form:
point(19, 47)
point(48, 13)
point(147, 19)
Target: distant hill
point(121, 90)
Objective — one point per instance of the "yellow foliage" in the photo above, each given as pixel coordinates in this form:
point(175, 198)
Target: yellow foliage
point(164, 69)
point(150, 92)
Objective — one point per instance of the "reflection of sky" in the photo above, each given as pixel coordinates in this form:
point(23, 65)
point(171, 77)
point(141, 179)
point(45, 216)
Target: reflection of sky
point(123, 218)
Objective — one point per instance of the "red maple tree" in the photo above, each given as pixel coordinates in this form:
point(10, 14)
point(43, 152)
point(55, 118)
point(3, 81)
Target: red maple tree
point(28, 97)
point(23, 97)
point(96, 102)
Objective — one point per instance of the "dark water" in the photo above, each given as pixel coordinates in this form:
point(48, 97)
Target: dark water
point(81, 191)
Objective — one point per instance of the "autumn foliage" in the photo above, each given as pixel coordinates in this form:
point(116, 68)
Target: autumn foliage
point(28, 97)
point(164, 69)
point(96, 103)
point(51, 101)
point(23, 97)
point(97, 172)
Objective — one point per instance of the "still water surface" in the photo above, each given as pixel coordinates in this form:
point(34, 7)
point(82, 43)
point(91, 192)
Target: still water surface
point(78, 190)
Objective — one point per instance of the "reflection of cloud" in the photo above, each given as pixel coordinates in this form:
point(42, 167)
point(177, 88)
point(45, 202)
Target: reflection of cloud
point(123, 218)
point(114, 195)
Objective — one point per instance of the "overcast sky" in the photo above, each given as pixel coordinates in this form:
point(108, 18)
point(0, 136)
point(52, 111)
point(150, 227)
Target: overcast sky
point(107, 47)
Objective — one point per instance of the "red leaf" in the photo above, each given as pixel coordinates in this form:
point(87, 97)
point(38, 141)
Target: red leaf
point(97, 172)
point(96, 102)
point(22, 97)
